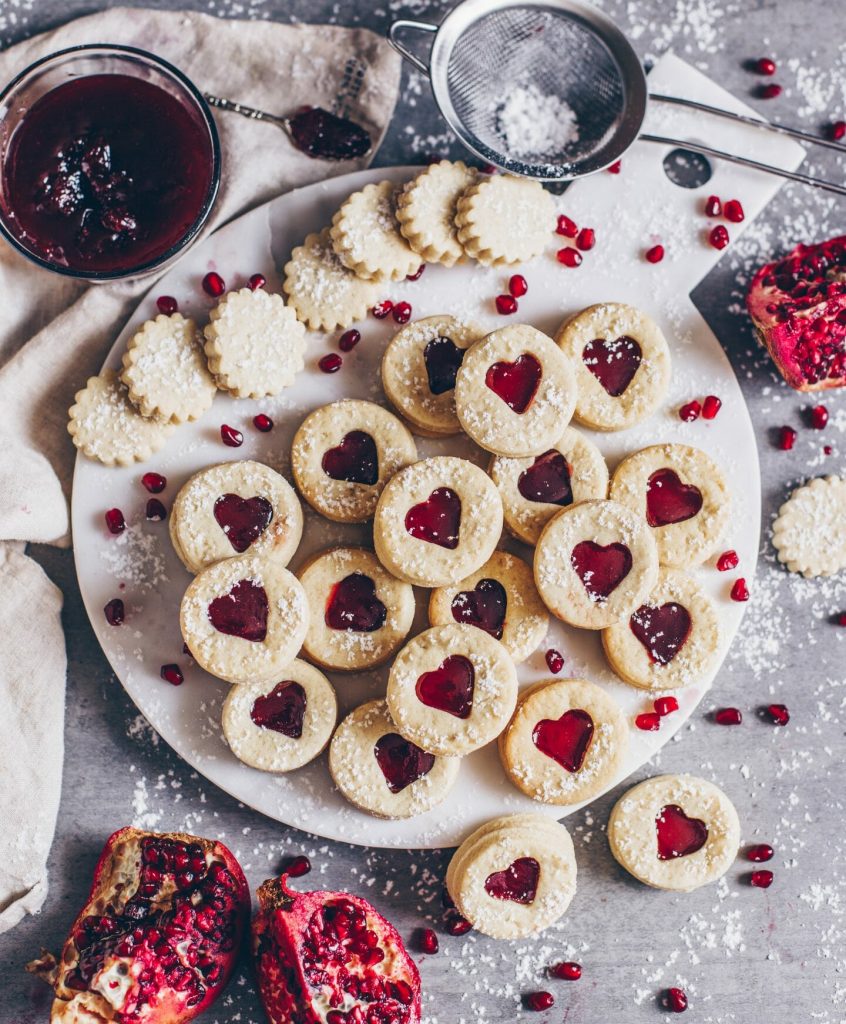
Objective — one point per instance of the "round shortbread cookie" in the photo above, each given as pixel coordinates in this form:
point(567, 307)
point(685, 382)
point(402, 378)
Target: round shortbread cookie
point(566, 742)
point(343, 455)
point(244, 619)
point(321, 290)
point(505, 219)
point(106, 426)
point(671, 640)
point(426, 208)
point(437, 521)
point(621, 361)
point(595, 563)
point(500, 598)
point(359, 614)
point(231, 508)
point(366, 235)
point(515, 392)
point(809, 534)
point(254, 343)
point(165, 371)
point(278, 727)
point(381, 772)
point(536, 488)
point(419, 369)
point(452, 689)
point(514, 877)
point(683, 496)
point(674, 832)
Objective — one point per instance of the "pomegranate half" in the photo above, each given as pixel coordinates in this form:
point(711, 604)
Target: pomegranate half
point(330, 958)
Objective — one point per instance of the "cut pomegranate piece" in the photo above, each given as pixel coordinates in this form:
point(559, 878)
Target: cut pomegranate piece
point(231, 437)
point(214, 285)
point(428, 941)
point(566, 739)
point(567, 970)
point(349, 339)
point(566, 227)
point(554, 661)
point(263, 423)
point(739, 590)
point(665, 706)
point(282, 710)
point(354, 606)
point(484, 606)
point(675, 1000)
point(690, 411)
point(765, 66)
point(443, 360)
point(547, 480)
point(382, 309)
point(539, 1001)
point(713, 206)
point(770, 91)
point(719, 237)
point(668, 500)
point(728, 716)
point(256, 281)
point(319, 951)
point(517, 883)
point(761, 879)
point(517, 285)
point(449, 687)
point(662, 630)
point(819, 417)
point(786, 438)
point(733, 211)
point(436, 520)
point(760, 853)
point(586, 239)
point(172, 674)
point(167, 304)
point(777, 714)
point(569, 257)
point(241, 612)
point(114, 612)
point(798, 307)
point(401, 312)
point(402, 762)
point(355, 459)
point(613, 362)
point(710, 407)
point(678, 835)
point(600, 568)
point(155, 483)
point(505, 305)
point(727, 560)
point(155, 511)
point(159, 935)
point(243, 520)
point(649, 721)
point(837, 131)
point(515, 383)
point(655, 254)
point(330, 363)
point(417, 273)
point(615, 168)
point(298, 866)
point(115, 523)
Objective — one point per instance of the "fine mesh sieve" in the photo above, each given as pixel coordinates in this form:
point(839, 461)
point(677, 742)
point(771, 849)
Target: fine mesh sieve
point(570, 72)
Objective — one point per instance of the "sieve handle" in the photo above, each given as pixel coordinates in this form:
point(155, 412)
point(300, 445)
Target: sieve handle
point(412, 58)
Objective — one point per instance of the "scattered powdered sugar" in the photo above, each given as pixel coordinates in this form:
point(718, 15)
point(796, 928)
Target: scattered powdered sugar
point(535, 124)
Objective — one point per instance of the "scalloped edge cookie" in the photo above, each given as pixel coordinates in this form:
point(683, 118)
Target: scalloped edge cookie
point(505, 219)
point(366, 235)
point(809, 533)
point(426, 209)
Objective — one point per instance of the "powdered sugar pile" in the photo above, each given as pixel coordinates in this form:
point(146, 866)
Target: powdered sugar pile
point(535, 124)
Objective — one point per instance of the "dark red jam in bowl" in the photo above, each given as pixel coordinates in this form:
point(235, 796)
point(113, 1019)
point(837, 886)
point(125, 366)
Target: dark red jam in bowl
point(107, 174)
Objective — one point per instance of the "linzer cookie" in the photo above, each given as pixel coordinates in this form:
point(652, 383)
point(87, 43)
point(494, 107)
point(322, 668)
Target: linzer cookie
point(366, 236)
point(426, 209)
point(621, 361)
point(682, 494)
point(810, 532)
point(504, 219)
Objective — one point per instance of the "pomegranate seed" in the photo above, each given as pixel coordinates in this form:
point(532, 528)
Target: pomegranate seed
point(172, 674)
point(488, 168)
point(506, 304)
point(298, 866)
point(739, 591)
point(517, 285)
point(760, 853)
point(841, 619)
point(713, 206)
point(402, 312)
point(213, 284)
point(777, 714)
point(554, 661)
point(665, 706)
point(568, 970)
point(649, 721)
point(655, 254)
point(719, 237)
point(710, 407)
point(155, 483)
point(786, 438)
point(231, 437)
point(765, 66)
point(458, 925)
point(114, 612)
point(837, 131)
point(114, 521)
point(586, 239)
point(727, 560)
point(827, 449)
point(330, 363)
point(428, 941)
point(167, 304)
point(155, 511)
point(263, 423)
point(256, 281)
point(540, 1000)
point(675, 1000)
point(728, 716)
point(733, 211)
point(690, 411)
point(417, 273)
point(762, 879)
point(615, 168)
point(569, 257)
point(769, 92)
point(348, 340)
point(566, 227)
point(382, 309)
point(819, 417)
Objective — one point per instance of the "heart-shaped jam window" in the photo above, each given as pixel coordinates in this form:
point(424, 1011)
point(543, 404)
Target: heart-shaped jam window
point(613, 362)
point(518, 883)
point(668, 500)
point(601, 568)
point(243, 520)
point(449, 687)
point(565, 739)
point(516, 383)
point(678, 835)
point(402, 762)
point(483, 606)
point(281, 710)
point(242, 612)
point(355, 459)
point(436, 520)
point(663, 630)
point(547, 480)
point(443, 359)
point(353, 605)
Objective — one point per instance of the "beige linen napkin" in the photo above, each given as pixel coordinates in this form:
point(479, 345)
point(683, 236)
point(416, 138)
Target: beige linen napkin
point(55, 333)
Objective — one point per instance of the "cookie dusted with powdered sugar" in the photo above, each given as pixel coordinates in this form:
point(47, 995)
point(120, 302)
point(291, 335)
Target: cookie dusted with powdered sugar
point(426, 207)
point(366, 236)
point(504, 219)
point(810, 532)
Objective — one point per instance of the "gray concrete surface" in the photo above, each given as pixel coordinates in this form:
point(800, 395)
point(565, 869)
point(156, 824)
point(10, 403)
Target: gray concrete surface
point(744, 955)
